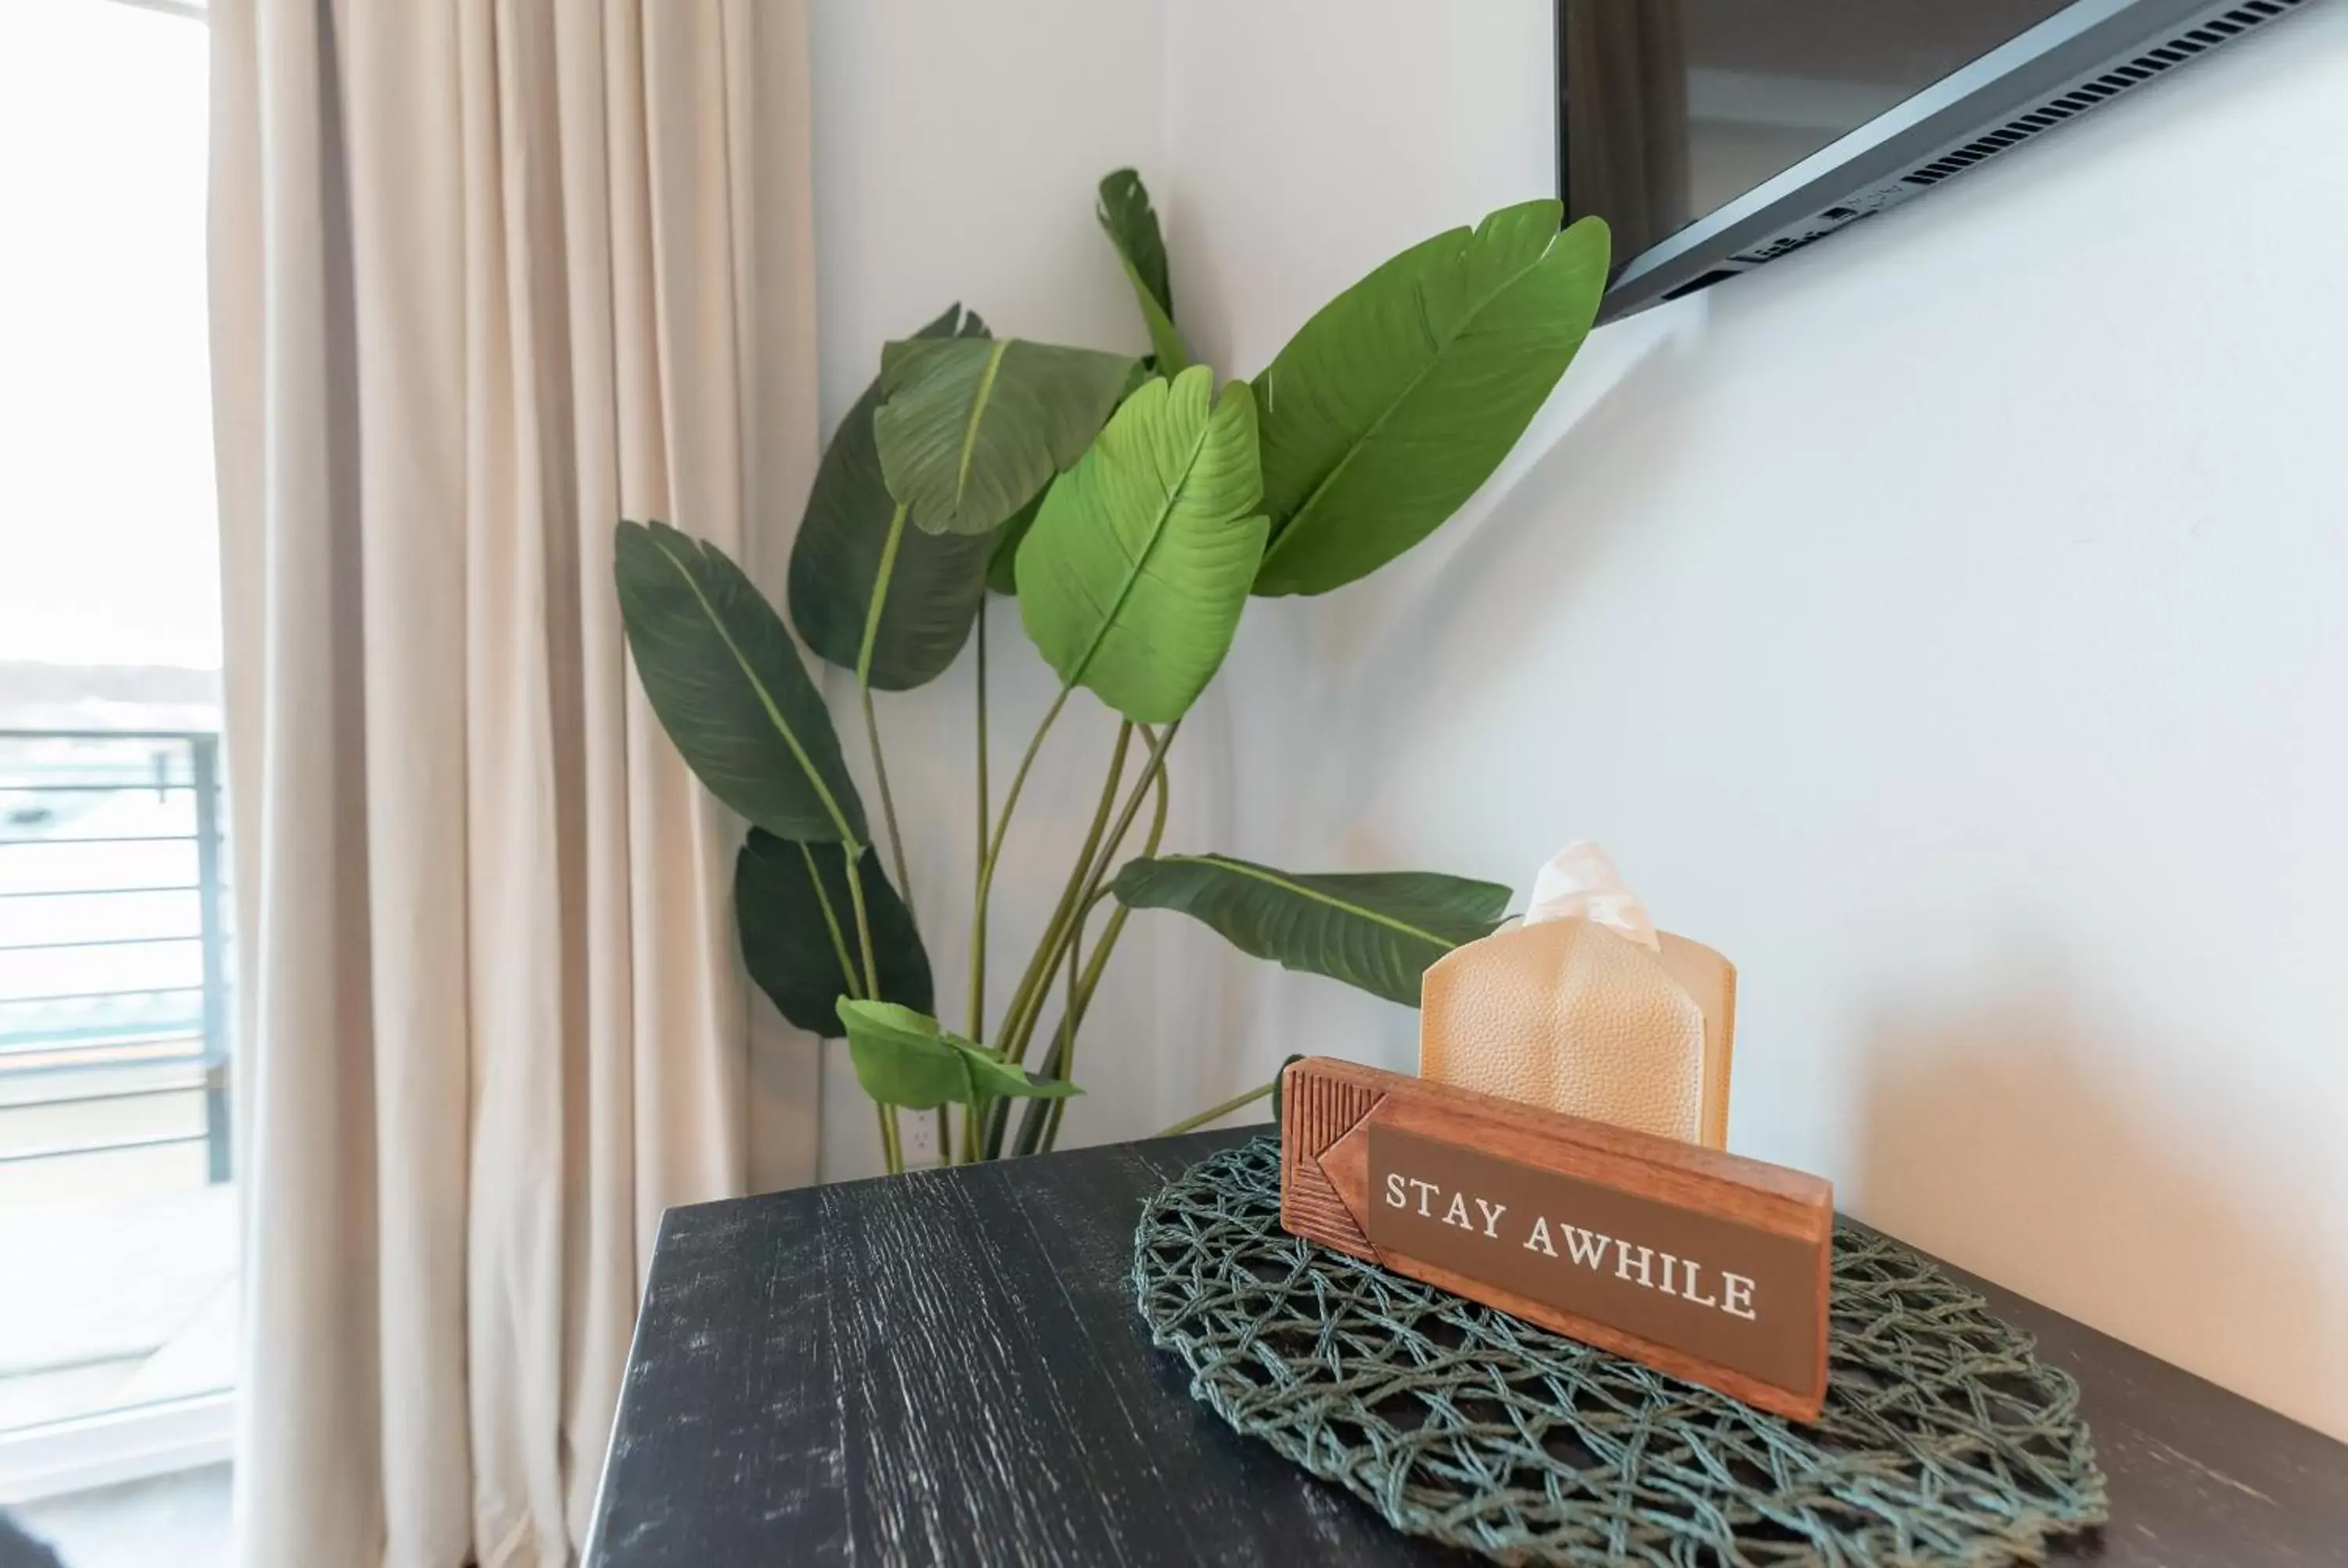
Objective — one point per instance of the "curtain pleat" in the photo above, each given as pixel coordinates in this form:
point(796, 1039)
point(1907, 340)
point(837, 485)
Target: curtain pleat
point(488, 276)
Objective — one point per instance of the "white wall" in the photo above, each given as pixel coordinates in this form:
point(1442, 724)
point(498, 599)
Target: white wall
point(1944, 621)
point(1949, 622)
point(957, 148)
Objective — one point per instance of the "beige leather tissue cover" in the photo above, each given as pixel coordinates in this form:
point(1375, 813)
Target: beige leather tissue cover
point(1571, 1016)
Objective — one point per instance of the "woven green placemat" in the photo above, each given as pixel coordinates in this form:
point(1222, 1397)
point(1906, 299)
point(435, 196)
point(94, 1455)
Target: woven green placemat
point(1943, 1439)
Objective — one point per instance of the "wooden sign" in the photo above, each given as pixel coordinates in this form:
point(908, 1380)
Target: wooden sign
point(1700, 1263)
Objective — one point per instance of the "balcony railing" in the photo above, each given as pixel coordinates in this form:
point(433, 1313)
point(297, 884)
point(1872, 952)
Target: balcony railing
point(114, 1031)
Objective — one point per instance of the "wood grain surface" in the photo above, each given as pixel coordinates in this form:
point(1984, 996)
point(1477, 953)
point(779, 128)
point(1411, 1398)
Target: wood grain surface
point(948, 1367)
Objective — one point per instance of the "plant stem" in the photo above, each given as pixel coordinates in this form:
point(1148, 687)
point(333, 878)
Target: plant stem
point(831, 924)
point(975, 1027)
point(994, 852)
point(1026, 1008)
point(892, 1153)
point(882, 577)
point(945, 1137)
point(1019, 1027)
point(854, 853)
point(973, 1123)
point(1217, 1113)
point(1027, 1000)
point(1094, 865)
point(1066, 1042)
point(1037, 1118)
point(975, 1116)
point(978, 863)
point(1152, 772)
point(888, 800)
point(1061, 1063)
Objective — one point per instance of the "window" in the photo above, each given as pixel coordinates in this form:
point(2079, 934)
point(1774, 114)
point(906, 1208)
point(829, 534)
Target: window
point(117, 1212)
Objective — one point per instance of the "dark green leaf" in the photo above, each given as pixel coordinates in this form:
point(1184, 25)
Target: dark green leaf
point(1002, 559)
point(1392, 405)
point(1377, 930)
point(970, 429)
point(1134, 577)
point(934, 581)
point(729, 689)
point(1130, 222)
point(799, 930)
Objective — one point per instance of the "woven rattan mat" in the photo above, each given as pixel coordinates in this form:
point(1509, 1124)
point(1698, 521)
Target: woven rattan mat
point(1943, 1439)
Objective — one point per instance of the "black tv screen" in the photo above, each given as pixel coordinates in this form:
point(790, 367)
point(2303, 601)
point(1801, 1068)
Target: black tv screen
point(1715, 135)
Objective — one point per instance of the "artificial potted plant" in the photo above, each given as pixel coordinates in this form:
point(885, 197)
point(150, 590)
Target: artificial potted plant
point(1133, 507)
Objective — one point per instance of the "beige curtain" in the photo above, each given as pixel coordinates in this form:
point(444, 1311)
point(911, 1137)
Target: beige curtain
point(488, 276)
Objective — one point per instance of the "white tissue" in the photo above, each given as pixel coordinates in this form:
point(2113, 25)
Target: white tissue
point(1580, 883)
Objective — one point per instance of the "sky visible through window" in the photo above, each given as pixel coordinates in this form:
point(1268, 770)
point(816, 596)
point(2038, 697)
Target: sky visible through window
point(109, 552)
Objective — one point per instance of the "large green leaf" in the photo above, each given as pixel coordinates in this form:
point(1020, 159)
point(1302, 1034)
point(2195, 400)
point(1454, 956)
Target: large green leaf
point(853, 545)
point(995, 1079)
point(1130, 222)
point(799, 930)
point(971, 428)
point(1003, 563)
point(899, 1057)
point(729, 689)
point(1392, 405)
point(1134, 577)
point(1377, 930)
point(902, 1057)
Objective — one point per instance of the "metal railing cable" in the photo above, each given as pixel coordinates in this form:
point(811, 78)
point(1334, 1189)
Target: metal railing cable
point(113, 946)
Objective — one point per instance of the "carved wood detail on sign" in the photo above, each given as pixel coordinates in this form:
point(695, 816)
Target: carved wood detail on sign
point(1703, 1265)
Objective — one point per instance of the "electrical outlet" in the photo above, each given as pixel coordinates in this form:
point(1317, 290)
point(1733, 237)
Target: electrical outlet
point(918, 1131)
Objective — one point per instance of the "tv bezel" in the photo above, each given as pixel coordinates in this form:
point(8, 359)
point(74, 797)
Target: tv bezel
point(1880, 164)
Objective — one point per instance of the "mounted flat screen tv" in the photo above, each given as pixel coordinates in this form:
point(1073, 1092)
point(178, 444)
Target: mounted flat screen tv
point(1716, 136)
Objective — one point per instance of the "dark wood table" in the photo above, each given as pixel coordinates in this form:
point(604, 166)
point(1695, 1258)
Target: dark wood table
point(948, 1366)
